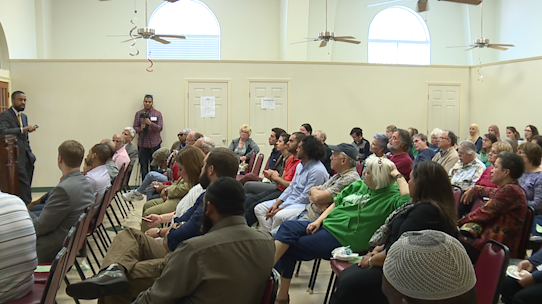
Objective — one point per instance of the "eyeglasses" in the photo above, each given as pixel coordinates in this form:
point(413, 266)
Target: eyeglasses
point(180, 134)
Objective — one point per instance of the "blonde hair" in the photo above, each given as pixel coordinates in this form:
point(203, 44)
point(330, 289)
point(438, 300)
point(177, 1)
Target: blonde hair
point(474, 138)
point(246, 128)
point(503, 146)
point(380, 169)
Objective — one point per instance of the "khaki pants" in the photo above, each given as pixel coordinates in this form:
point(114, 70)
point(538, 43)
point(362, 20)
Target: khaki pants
point(142, 256)
point(158, 206)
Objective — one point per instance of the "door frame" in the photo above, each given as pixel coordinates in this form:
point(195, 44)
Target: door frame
point(286, 80)
point(187, 100)
point(443, 83)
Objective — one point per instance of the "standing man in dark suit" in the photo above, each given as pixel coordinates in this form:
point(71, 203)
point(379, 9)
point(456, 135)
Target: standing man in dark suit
point(148, 125)
point(14, 121)
point(66, 202)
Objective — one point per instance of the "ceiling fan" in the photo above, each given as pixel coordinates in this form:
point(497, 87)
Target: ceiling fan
point(484, 42)
point(326, 36)
point(422, 4)
point(149, 33)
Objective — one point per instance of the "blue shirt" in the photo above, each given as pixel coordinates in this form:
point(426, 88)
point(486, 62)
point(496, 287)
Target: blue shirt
point(273, 157)
point(536, 259)
point(308, 175)
point(191, 228)
point(425, 154)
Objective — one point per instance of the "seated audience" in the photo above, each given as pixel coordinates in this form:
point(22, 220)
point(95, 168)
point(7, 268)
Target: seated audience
point(244, 146)
point(350, 221)
point(120, 157)
point(306, 129)
point(159, 158)
point(282, 181)
point(466, 172)
point(189, 161)
point(261, 185)
point(526, 290)
point(111, 166)
point(271, 161)
point(412, 152)
point(181, 143)
point(192, 137)
point(135, 260)
point(447, 157)
point(360, 143)
point(512, 143)
point(194, 272)
point(493, 129)
point(537, 139)
point(65, 203)
point(435, 135)
point(488, 140)
point(96, 172)
point(530, 131)
point(432, 207)
point(309, 173)
point(379, 145)
point(474, 136)
point(531, 180)
point(205, 144)
point(468, 197)
point(389, 130)
point(513, 134)
point(420, 144)
point(399, 145)
point(18, 258)
point(321, 136)
point(444, 276)
point(502, 217)
point(129, 134)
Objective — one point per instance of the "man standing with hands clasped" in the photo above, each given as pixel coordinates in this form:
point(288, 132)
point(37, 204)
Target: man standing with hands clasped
point(14, 121)
point(148, 125)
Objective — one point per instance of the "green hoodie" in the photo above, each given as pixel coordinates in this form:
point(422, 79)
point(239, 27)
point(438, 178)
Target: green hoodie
point(360, 211)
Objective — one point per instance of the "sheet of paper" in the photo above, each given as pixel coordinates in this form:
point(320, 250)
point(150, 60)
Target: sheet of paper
point(538, 228)
point(268, 103)
point(43, 268)
point(207, 106)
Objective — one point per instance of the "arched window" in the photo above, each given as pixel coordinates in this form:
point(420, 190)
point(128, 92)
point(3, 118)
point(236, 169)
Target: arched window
point(399, 35)
point(190, 18)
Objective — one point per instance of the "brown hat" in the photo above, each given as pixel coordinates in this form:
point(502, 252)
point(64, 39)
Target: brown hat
point(159, 156)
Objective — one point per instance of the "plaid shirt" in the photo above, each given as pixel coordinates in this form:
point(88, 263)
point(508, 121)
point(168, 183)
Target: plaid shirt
point(150, 138)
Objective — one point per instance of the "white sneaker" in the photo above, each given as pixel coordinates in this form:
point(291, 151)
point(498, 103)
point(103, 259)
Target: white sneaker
point(132, 195)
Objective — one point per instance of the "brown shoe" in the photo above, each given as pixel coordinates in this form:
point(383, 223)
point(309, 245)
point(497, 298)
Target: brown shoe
point(110, 281)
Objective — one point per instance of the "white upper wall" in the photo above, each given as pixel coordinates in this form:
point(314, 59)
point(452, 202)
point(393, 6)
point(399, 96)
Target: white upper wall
point(264, 29)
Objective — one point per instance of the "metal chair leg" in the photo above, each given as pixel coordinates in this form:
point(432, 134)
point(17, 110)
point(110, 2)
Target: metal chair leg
point(314, 274)
point(298, 267)
point(330, 285)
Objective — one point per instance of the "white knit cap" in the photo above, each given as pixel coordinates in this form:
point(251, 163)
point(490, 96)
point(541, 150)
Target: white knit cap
point(429, 265)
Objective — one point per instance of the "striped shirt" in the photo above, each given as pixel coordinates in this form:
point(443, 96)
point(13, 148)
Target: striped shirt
point(18, 257)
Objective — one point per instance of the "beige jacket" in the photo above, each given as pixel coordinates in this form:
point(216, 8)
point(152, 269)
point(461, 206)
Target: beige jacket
point(447, 159)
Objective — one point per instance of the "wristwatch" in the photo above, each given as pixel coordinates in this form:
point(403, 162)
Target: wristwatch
point(399, 176)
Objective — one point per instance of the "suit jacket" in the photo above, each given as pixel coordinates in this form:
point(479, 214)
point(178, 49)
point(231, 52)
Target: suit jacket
point(10, 125)
point(66, 202)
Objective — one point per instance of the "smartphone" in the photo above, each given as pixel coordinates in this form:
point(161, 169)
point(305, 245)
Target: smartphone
point(143, 218)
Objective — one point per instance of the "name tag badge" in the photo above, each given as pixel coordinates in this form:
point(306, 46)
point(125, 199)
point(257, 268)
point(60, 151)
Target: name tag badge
point(154, 118)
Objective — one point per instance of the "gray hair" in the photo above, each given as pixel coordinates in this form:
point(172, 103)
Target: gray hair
point(437, 132)
point(421, 136)
point(131, 130)
point(468, 146)
point(198, 135)
point(207, 143)
point(322, 135)
point(380, 169)
point(352, 163)
point(381, 140)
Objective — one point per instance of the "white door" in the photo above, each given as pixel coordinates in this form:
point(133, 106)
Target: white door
point(443, 111)
point(263, 120)
point(214, 127)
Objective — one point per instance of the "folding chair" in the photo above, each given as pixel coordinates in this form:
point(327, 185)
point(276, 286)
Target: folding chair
point(490, 270)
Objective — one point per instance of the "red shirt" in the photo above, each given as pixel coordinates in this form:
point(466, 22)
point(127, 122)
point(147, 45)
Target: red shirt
point(403, 162)
point(485, 179)
point(289, 170)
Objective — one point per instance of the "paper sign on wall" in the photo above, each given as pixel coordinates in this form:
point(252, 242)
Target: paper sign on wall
point(268, 103)
point(207, 106)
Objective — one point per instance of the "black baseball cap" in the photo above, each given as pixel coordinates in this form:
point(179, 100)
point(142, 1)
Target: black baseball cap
point(347, 149)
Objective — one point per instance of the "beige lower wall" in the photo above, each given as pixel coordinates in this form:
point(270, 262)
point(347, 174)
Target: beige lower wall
point(91, 100)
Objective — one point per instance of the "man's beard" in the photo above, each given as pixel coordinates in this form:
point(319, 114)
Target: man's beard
point(204, 180)
point(391, 147)
point(206, 222)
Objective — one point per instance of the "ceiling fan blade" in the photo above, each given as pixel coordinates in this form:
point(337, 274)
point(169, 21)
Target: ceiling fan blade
point(475, 2)
point(382, 3)
point(117, 35)
point(460, 46)
point(502, 44)
point(172, 36)
point(495, 46)
point(131, 39)
point(160, 40)
point(348, 41)
point(422, 5)
point(323, 43)
point(472, 47)
point(345, 37)
point(304, 41)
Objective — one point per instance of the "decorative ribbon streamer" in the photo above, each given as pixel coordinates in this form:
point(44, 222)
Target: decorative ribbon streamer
point(132, 35)
point(149, 69)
